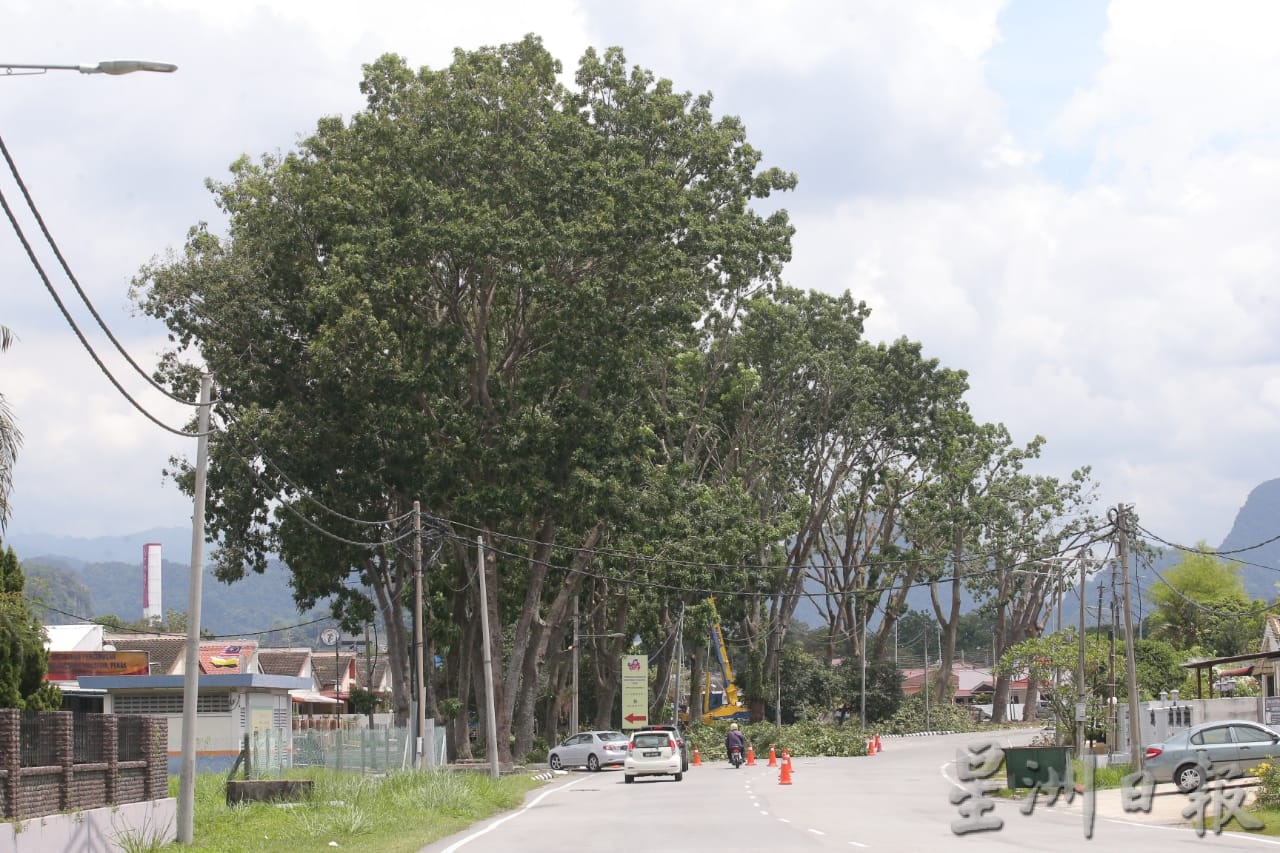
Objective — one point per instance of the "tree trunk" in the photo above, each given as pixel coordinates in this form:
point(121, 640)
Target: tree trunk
point(696, 677)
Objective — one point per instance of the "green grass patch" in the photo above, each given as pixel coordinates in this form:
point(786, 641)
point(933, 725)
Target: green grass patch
point(399, 813)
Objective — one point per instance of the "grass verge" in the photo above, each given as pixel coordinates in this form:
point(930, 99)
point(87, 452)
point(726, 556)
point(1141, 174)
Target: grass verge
point(399, 813)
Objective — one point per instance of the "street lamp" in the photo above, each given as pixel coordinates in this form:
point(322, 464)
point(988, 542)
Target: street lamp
point(112, 66)
point(576, 638)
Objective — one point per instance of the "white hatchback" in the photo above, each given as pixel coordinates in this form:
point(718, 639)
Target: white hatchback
point(652, 754)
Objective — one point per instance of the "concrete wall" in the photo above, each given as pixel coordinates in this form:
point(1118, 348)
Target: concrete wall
point(112, 829)
point(1160, 719)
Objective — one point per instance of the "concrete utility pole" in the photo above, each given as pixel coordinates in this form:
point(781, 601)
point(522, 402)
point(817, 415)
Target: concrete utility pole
point(675, 700)
point(1121, 520)
point(1081, 698)
point(491, 719)
point(573, 714)
point(191, 677)
point(419, 687)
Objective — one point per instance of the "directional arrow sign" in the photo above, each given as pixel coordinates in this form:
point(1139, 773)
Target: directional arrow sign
point(635, 690)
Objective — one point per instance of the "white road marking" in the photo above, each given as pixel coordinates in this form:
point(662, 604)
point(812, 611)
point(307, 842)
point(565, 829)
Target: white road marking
point(859, 844)
point(497, 823)
point(816, 831)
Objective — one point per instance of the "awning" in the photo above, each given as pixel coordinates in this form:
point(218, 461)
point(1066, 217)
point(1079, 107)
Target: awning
point(312, 696)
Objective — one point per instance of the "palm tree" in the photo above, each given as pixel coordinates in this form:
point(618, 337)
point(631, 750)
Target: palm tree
point(10, 438)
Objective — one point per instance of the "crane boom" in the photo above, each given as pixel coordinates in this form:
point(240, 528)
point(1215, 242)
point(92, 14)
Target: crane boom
point(732, 708)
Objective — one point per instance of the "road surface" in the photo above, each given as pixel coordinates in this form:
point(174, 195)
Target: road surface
point(899, 799)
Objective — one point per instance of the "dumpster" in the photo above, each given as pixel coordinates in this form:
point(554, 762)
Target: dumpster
point(1044, 767)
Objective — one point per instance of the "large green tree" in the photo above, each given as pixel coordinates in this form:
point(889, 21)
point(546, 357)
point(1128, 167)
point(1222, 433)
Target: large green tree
point(10, 439)
point(1201, 602)
point(457, 296)
point(23, 658)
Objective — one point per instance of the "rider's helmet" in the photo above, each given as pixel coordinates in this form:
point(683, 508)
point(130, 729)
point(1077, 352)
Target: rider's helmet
point(733, 727)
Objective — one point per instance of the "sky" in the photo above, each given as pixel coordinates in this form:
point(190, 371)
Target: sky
point(1073, 202)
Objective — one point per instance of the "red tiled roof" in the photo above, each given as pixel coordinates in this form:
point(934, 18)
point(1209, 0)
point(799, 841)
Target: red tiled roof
point(225, 657)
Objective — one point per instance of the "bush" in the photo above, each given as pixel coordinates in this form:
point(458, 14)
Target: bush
point(1268, 791)
point(943, 717)
point(807, 738)
point(538, 751)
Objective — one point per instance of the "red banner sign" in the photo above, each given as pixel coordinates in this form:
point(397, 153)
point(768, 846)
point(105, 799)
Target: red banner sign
point(68, 666)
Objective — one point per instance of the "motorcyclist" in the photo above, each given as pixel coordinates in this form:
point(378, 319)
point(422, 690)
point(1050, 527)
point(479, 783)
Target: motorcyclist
point(734, 740)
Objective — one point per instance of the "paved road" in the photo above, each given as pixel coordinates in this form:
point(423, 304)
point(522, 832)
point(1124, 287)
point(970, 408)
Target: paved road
point(897, 800)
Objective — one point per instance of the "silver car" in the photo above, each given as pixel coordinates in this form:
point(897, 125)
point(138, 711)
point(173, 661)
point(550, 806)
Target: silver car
point(592, 750)
point(1203, 752)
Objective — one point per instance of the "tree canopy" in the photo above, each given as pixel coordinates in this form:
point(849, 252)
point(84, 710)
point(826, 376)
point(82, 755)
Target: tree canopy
point(554, 316)
point(23, 659)
point(1201, 602)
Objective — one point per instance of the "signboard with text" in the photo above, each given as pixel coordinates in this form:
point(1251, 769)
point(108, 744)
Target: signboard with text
point(635, 691)
point(68, 666)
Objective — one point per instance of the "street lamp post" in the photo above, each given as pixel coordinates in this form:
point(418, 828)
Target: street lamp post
point(112, 66)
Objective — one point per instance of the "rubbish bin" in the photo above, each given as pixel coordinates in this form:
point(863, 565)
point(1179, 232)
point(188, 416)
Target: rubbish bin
point(1033, 766)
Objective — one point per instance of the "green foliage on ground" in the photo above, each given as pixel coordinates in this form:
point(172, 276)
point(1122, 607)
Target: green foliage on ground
point(399, 813)
point(941, 717)
point(805, 738)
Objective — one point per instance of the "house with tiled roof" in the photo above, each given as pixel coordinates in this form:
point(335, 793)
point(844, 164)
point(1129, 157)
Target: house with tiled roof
point(228, 657)
point(336, 673)
point(165, 652)
point(297, 662)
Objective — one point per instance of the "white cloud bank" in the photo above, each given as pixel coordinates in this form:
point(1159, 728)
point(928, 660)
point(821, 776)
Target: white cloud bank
point(1104, 272)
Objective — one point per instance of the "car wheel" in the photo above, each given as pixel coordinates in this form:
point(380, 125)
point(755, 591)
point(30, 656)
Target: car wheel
point(629, 778)
point(593, 763)
point(555, 762)
point(1188, 778)
point(679, 777)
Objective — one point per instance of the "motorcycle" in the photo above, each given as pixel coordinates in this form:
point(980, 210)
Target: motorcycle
point(735, 757)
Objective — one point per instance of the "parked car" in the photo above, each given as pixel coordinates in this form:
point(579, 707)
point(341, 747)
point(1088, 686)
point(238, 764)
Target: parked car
point(1221, 743)
point(681, 743)
point(592, 750)
point(652, 753)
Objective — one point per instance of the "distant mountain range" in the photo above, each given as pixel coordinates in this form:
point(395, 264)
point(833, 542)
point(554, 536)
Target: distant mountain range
point(1257, 524)
point(87, 578)
point(99, 576)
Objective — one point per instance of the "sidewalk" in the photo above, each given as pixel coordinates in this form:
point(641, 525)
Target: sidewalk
point(1167, 804)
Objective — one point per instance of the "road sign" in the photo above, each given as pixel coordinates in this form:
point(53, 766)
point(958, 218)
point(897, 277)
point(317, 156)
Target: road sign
point(635, 691)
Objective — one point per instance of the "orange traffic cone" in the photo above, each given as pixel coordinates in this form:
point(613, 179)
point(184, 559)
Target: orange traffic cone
point(871, 747)
point(786, 759)
point(697, 759)
point(773, 757)
point(751, 755)
point(879, 748)
point(784, 776)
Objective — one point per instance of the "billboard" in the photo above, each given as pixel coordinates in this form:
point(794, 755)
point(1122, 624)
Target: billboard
point(68, 666)
point(635, 691)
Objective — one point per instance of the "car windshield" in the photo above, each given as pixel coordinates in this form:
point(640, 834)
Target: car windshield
point(608, 736)
point(653, 741)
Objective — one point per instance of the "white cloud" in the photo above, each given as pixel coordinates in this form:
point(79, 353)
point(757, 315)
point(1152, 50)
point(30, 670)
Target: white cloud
point(1127, 317)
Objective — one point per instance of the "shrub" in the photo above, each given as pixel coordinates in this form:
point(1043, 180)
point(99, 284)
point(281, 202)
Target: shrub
point(942, 717)
point(1268, 790)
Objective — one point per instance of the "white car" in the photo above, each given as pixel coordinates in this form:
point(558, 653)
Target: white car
point(652, 754)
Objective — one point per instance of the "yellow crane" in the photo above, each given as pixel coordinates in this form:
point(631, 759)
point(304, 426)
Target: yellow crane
point(732, 708)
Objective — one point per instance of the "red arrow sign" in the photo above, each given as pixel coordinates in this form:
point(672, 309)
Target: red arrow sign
point(635, 718)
